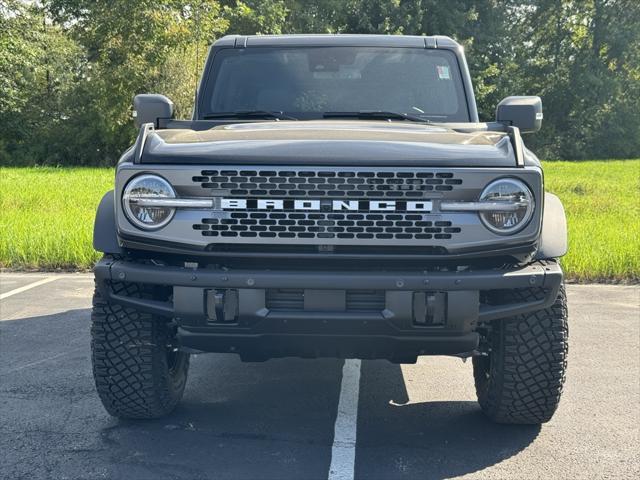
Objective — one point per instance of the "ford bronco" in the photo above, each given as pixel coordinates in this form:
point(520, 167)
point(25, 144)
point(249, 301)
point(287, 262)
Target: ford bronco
point(332, 195)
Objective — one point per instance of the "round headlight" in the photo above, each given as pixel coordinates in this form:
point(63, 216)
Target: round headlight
point(138, 199)
point(518, 206)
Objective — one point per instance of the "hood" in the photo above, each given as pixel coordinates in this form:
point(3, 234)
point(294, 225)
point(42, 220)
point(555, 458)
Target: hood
point(326, 142)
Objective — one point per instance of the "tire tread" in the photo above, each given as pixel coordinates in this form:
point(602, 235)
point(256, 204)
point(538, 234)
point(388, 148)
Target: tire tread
point(527, 366)
point(129, 363)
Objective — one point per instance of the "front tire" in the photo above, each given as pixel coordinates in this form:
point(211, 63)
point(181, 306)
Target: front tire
point(520, 381)
point(138, 371)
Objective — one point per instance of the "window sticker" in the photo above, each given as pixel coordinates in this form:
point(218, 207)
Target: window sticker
point(443, 72)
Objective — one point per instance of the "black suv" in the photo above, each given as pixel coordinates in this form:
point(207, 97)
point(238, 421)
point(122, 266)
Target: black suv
point(332, 195)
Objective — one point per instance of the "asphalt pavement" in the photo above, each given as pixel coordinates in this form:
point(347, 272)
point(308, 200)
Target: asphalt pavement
point(308, 419)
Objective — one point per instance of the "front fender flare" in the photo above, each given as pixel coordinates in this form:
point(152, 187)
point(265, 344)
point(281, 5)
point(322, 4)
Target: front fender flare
point(553, 239)
point(105, 236)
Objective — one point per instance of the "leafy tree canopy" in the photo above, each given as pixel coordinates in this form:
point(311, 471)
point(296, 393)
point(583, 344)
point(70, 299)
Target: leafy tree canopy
point(70, 68)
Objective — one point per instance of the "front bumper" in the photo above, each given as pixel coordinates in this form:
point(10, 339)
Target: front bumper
point(320, 326)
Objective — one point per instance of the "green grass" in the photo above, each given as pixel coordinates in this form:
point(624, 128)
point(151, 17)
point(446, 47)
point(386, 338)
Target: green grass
point(602, 202)
point(46, 217)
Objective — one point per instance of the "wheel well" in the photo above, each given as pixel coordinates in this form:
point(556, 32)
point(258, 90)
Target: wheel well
point(105, 236)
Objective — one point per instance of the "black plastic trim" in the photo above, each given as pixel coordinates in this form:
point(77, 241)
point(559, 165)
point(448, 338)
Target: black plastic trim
point(260, 347)
point(145, 246)
point(538, 274)
point(260, 333)
point(105, 239)
point(553, 238)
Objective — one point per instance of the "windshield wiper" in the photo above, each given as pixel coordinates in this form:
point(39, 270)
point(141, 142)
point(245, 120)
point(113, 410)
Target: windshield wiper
point(381, 114)
point(249, 114)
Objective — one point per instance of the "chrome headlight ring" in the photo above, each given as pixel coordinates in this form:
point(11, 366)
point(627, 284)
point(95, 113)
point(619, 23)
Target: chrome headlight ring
point(518, 201)
point(138, 202)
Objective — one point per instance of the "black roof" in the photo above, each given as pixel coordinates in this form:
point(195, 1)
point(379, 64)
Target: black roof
point(345, 40)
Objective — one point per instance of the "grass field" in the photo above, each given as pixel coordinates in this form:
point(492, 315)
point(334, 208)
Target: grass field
point(602, 202)
point(46, 217)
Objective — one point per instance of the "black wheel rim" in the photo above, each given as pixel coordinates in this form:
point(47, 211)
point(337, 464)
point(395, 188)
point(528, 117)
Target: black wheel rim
point(173, 358)
point(172, 352)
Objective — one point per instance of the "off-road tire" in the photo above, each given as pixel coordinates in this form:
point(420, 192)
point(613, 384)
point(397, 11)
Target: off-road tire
point(521, 380)
point(138, 373)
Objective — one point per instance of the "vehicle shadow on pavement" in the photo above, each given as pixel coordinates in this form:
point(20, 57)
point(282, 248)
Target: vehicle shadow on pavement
point(433, 439)
point(237, 420)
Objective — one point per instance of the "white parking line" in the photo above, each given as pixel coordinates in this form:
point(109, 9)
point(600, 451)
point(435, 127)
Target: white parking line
point(27, 287)
point(44, 360)
point(343, 451)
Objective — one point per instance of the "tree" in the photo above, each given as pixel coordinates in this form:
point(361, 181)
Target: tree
point(39, 68)
point(133, 47)
point(70, 68)
point(582, 58)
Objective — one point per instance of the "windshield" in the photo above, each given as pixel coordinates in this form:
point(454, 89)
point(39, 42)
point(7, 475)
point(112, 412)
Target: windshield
point(307, 83)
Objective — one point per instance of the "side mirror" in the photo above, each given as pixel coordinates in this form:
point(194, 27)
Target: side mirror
point(149, 107)
point(522, 112)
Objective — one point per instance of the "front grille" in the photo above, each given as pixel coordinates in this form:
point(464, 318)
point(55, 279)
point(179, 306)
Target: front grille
point(365, 300)
point(356, 300)
point(317, 209)
point(324, 225)
point(284, 299)
point(289, 225)
point(341, 183)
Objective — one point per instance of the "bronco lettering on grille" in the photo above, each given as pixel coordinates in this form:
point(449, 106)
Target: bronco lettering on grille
point(326, 205)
